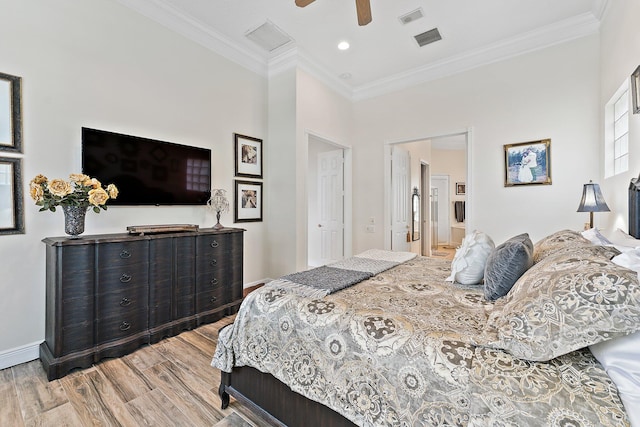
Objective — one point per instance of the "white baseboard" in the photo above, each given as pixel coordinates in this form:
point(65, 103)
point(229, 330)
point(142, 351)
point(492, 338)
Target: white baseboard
point(18, 355)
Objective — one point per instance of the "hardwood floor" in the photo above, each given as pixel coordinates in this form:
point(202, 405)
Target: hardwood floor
point(170, 383)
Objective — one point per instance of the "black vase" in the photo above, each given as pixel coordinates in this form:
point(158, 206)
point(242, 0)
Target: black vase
point(74, 220)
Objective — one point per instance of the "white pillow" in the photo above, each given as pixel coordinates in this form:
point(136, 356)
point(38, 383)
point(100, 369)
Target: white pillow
point(621, 359)
point(620, 238)
point(595, 236)
point(468, 264)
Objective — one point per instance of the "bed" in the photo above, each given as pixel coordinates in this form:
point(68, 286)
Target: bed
point(402, 346)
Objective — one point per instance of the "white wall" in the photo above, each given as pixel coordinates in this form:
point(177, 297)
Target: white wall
point(620, 56)
point(551, 93)
point(96, 63)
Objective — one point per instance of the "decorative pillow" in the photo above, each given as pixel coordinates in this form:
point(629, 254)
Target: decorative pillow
point(620, 357)
point(595, 236)
point(558, 240)
point(467, 267)
point(506, 264)
point(565, 302)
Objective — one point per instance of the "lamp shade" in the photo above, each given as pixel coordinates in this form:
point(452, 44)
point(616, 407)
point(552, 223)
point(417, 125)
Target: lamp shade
point(592, 200)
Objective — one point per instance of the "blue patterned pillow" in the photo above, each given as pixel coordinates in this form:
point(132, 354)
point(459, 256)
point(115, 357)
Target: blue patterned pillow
point(506, 264)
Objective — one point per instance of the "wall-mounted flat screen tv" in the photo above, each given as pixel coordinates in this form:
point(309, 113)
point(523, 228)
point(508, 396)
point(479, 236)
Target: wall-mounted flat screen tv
point(147, 171)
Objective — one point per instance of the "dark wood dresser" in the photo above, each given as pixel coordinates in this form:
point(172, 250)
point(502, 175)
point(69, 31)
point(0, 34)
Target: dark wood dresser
point(109, 294)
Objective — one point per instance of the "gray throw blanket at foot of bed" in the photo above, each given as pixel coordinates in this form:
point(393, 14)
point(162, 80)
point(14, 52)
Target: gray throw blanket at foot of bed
point(322, 281)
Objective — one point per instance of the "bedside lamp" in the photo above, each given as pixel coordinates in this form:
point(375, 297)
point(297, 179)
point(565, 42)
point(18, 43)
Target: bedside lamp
point(592, 201)
point(218, 203)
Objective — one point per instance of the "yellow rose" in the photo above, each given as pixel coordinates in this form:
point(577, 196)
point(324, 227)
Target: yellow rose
point(112, 190)
point(93, 183)
point(39, 179)
point(59, 187)
point(36, 192)
point(98, 196)
point(79, 178)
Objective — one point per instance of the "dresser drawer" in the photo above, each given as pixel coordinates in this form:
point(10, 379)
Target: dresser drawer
point(123, 277)
point(218, 244)
point(122, 302)
point(209, 300)
point(112, 328)
point(117, 254)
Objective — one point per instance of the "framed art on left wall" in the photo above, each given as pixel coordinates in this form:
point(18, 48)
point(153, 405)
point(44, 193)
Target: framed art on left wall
point(10, 113)
point(248, 201)
point(248, 156)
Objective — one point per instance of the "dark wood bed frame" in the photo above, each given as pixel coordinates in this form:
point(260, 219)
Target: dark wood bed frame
point(274, 401)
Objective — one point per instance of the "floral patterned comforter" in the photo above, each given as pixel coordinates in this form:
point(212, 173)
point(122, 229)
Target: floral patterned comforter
point(400, 349)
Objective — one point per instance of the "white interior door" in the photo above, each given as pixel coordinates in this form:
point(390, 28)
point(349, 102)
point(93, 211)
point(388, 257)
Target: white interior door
point(441, 183)
point(400, 199)
point(331, 205)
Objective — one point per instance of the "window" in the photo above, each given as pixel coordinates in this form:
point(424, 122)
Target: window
point(617, 132)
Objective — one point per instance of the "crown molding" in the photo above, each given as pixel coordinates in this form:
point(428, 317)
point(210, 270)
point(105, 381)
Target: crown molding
point(559, 32)
point(164, 13)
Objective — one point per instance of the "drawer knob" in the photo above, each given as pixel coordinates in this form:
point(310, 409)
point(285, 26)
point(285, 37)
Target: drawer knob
point(124, 326)
point(213, 262)
point(125, 302)
point(214, 281)
point(213, 299)
point(125, 278)
point(215, 244)
point(125, 254)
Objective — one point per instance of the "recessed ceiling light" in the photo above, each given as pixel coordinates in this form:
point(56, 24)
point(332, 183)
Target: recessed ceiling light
point(343, 45)
point(345, 76)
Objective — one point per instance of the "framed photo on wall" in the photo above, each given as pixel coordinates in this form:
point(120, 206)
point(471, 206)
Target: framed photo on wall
point(10, 113)
point(248, 156)
point(248, 201)
point(461, 188)
point(635, 90)
point(527, 163)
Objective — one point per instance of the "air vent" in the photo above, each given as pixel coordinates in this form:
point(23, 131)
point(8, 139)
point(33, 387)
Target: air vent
point(268, 36)
point(428, 37)
point(411, 16)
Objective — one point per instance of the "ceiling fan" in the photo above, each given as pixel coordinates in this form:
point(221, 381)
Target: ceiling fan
point(363, 8)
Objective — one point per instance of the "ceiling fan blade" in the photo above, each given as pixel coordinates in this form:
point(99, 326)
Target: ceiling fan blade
point(363, 7)
point(303, 3)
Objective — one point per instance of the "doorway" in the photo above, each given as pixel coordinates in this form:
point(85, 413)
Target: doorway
point(328, 201)
point(426, 167)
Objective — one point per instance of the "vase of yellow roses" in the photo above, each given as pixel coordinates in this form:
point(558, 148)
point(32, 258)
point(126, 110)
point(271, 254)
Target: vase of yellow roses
point(75, 196)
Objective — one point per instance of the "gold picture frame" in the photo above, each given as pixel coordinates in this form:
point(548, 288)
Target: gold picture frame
point(527, 163)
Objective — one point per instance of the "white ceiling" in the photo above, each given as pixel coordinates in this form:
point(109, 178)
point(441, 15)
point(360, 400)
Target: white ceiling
point(384, 55)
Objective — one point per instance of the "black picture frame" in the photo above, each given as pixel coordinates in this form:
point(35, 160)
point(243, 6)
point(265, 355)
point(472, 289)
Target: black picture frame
point(248, 156)
point(11, 175)
point(11, 113)
point(247, 206)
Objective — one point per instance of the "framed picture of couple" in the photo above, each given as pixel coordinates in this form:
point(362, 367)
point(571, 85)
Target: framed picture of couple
point(527, 163)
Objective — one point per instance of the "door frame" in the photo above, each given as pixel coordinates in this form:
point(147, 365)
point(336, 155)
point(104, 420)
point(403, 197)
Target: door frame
point(348, 193)
point(469, 219)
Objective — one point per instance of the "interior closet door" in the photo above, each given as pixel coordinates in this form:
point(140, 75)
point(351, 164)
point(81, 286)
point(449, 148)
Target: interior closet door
point(400, 199)
point(331, 205)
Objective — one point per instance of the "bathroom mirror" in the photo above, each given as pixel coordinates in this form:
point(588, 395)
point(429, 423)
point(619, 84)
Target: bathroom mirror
point(415, 214)
point(11, 200)
point(10, 114)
